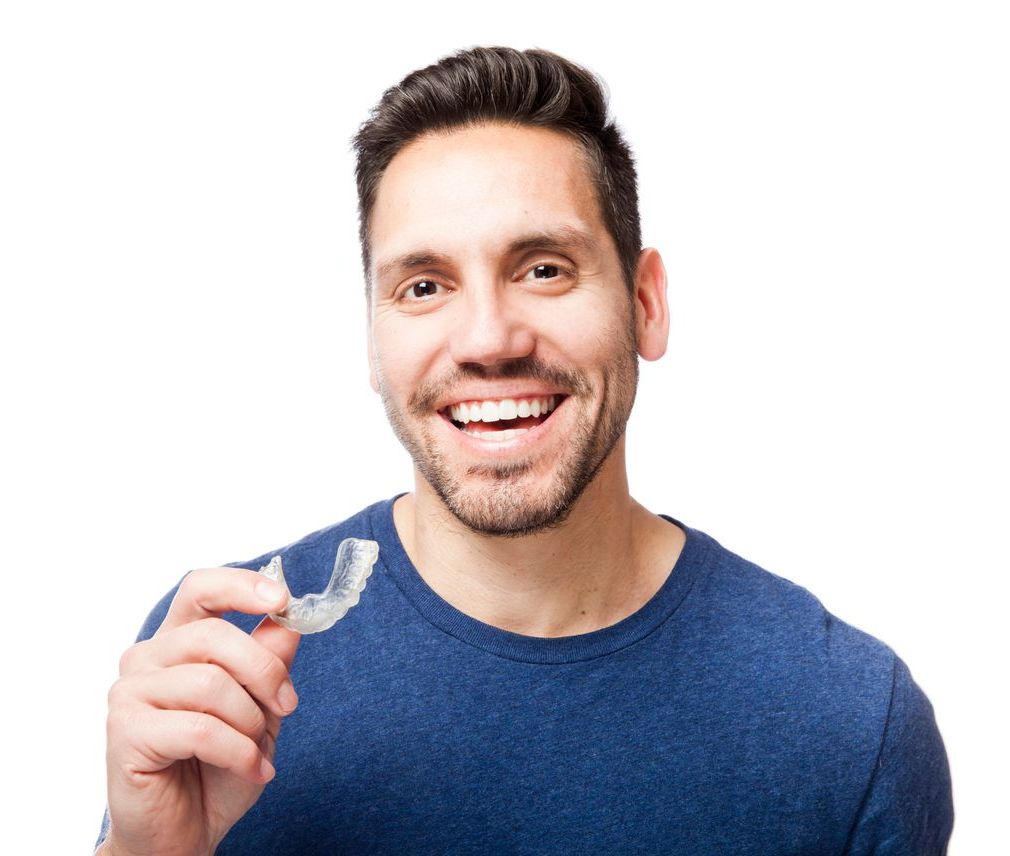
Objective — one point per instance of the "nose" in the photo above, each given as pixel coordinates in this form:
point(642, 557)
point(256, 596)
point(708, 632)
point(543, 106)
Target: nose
point(490, 328)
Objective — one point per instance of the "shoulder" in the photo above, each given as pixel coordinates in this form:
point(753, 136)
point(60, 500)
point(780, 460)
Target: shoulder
point(840, 695)
point(784, 654)
point(308, 562)
point(782, 621)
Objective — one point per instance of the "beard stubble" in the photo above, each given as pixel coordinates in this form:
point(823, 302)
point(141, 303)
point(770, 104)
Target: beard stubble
point(500, 505)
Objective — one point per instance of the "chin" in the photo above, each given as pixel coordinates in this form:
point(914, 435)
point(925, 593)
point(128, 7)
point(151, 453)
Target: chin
point(505, 501)
point(505, 515)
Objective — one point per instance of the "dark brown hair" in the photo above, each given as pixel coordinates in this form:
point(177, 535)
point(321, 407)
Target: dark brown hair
point(499, 84)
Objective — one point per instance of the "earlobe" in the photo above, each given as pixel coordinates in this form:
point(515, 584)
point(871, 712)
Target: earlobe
point(652, 313)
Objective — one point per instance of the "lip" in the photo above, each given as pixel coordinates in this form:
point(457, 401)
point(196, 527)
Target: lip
point(532, 437)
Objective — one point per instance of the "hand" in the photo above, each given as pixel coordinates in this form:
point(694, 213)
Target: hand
point(194, 717)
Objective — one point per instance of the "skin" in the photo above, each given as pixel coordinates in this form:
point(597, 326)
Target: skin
point(194, 717)
point(532, 536)
point(539, 536)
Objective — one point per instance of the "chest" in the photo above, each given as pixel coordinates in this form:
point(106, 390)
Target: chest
point(447, 751)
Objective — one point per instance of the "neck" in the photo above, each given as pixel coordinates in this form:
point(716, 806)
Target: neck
point(602, 564)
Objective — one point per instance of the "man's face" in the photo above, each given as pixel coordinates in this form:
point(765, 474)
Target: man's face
point(496, 295)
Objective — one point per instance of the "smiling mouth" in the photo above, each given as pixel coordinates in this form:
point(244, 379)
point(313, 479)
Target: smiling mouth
point(498, 420)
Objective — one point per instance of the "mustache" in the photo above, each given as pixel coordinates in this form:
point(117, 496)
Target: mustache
point(424, 397)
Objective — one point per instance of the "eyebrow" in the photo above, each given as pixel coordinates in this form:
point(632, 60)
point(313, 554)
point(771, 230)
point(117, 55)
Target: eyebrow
point(564, 238)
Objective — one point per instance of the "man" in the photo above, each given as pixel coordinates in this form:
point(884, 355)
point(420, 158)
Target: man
point(538, 664)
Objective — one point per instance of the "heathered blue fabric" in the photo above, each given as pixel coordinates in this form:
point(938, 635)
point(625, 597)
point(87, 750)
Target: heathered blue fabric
point(732, 714)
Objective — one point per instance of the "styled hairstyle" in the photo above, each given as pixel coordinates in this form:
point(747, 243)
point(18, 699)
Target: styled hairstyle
point(499, 84)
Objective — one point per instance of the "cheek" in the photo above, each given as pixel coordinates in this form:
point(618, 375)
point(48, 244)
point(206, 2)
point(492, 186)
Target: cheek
point(591, 334)
point(403, 355)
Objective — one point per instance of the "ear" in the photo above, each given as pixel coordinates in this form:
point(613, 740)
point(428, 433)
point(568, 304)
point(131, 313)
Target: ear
point(652, 313)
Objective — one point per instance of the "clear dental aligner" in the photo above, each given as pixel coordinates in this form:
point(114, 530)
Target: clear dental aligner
point(314, 613)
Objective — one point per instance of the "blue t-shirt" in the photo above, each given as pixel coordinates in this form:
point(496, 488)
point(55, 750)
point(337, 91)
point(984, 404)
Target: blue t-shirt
point(731, 714)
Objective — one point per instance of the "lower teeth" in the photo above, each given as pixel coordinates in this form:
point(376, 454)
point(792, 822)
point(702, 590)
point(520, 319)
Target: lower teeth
point(497, 436)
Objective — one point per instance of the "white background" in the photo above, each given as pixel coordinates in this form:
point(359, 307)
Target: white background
point(182, 327)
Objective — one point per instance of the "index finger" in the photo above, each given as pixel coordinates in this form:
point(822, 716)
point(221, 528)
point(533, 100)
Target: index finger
point(209, 592)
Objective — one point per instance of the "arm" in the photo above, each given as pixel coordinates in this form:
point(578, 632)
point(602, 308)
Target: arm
point(908, 807)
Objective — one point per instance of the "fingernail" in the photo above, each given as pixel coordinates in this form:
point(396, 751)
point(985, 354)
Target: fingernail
point(287, 697)
point(269, 591)
point(266, 770)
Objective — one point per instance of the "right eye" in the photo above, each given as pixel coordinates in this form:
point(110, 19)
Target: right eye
point(421, 290)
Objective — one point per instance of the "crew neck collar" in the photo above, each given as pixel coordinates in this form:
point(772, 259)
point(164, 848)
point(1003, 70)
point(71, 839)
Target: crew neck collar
point(535, 649)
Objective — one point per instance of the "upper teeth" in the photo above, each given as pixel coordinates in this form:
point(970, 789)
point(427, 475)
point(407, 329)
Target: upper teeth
point(506, 408)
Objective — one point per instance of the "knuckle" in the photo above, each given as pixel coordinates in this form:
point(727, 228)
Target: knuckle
point(259, 726)
point(210, 632)
point(268, 669)
point(120, 722)
point(201, 729)
point(128, 661)
point(210, 680)
point(250, 755)
point(118, 694)
point(194, 586)
point(191, 583)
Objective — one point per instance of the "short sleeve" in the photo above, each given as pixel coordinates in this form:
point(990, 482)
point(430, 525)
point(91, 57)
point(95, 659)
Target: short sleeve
point(908, 808)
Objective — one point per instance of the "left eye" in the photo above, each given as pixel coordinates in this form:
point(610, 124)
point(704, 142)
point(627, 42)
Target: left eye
point(545, 271)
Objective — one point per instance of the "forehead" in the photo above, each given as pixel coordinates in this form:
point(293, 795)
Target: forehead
point(473, 189)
